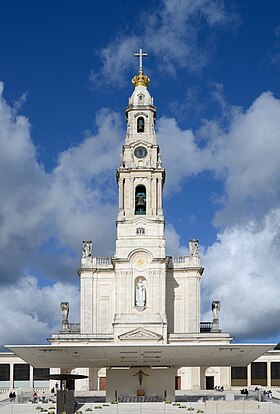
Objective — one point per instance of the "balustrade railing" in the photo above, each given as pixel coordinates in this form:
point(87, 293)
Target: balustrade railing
point(104, 260)
point(205, 327)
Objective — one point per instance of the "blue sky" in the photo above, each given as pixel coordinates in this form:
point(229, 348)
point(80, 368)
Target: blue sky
point(66, 69)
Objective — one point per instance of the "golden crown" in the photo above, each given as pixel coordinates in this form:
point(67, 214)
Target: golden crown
point(140, 80)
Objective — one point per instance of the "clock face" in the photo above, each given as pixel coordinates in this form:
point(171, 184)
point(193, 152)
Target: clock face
point(140, 152)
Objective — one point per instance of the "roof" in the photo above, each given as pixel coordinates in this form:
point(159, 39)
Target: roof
point(107, 355)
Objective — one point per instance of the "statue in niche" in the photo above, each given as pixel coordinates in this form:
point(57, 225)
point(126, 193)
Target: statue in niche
point(64, 306)
point(216, 306)
point(87, 248)
point(193, 246)
point(140, 294)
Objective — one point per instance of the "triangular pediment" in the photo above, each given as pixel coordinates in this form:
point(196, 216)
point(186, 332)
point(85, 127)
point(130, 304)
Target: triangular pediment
point(140, 334)
point(140, 221)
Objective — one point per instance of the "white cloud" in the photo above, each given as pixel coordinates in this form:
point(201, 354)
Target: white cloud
point(180, 153)
point(173, 31)
point(245, 155)
point(74, 202)
point(45, 216)
point(243, 150)
point(242, 272)
point(29, 313)
point(173, 242)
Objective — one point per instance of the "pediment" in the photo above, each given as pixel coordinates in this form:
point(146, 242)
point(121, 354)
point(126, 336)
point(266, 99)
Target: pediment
point(140, 221)
point(140, 334)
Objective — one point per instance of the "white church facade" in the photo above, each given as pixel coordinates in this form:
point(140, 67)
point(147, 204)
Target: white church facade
point(140, 321)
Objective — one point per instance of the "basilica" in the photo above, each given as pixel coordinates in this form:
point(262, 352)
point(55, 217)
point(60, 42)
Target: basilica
point(140, 331)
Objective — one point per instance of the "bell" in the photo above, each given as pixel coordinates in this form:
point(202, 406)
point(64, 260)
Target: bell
point(140, 201)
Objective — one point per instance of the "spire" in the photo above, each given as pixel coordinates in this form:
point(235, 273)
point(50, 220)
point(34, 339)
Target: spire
point(141, 79)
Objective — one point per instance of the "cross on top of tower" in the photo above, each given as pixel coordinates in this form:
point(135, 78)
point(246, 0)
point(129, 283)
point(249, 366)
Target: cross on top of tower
point(141, 54)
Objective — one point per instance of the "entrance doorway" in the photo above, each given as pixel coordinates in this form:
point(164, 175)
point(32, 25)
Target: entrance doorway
point(209, 383)
point(177, 382)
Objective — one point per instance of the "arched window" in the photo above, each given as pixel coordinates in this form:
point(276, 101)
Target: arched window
point(140, 124)
point(140, 200)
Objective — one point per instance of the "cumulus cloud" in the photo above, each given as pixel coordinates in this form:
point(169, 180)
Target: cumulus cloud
point(242, 272)
point(244, 155)
point(174, 246)
point(45, 216)
point(28, 318)
point(175, 33)
point(242, 149)
point(60, 208)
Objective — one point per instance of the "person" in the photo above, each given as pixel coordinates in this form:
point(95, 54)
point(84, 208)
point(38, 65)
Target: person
point(43, 396)
point(14, 396)
point(11, 396)
point(35, 396)
point(52, 390)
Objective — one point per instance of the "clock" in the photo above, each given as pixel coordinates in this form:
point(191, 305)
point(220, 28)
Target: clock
point(140, 152)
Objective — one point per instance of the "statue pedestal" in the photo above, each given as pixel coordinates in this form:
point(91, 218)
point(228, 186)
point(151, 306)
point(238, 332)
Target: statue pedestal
point(215, 326)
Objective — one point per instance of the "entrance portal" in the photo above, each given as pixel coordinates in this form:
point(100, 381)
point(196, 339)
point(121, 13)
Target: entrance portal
point(209, 382)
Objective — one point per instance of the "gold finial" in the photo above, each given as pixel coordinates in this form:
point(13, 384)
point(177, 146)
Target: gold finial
point(141, 80)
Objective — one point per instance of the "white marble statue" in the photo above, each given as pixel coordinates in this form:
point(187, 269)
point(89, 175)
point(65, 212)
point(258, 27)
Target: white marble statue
point(140, 294)
point(193, 246)
point(216, 306)
point(87, 248)
point(64, 306)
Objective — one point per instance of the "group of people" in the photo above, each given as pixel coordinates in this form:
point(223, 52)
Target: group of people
point(244, 391)
point(12, 396)
point(36, 397)
point(218, 388)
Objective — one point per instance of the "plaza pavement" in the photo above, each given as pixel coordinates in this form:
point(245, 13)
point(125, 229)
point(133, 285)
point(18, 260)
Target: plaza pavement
point(140, 408)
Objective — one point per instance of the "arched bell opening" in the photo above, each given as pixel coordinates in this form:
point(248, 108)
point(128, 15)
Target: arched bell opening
point(140, 124)
point(140, 200)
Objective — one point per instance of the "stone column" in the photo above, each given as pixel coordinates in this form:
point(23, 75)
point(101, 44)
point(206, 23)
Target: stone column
point(268, 374)
point(131, 196)
point(203, 378)
point(249, 380)
point(154, 196)
point(93, 379)
point(31, 377)
point(121, 185)
point(159, 197)
point(11, 375)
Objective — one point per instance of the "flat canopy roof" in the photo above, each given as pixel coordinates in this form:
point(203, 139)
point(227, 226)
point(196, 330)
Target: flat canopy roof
point(187, 355)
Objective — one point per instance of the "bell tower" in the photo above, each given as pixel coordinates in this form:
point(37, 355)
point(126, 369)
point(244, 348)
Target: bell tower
point(140, 259)
point(140, 176)
point(140, 295)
